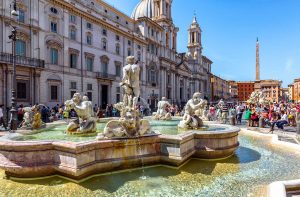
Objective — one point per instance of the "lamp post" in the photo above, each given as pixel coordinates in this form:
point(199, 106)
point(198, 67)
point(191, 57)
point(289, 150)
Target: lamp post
point(13, 112)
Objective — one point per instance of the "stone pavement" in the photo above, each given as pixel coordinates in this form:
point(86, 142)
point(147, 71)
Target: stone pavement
point(288, 134)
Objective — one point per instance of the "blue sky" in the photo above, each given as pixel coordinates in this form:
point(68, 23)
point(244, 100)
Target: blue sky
point(230, 28)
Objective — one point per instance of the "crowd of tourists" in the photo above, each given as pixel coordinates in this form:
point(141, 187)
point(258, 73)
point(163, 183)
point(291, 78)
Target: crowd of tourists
point(274, 114)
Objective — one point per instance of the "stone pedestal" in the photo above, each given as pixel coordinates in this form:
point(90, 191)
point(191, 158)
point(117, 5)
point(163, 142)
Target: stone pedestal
point(261, 123)
point(298, 127)
point(233, 121)
point(80, 160)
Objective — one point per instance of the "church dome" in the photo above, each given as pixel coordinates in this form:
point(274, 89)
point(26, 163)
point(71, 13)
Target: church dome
point(145, 8)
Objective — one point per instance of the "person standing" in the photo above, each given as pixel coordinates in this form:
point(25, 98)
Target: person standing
point(2, 117)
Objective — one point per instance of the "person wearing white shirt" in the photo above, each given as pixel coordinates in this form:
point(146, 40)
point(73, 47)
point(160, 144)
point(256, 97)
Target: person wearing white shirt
point(283, 120)
point(1, 117)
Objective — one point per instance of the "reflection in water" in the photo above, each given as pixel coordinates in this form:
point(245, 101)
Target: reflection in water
point(255, 163)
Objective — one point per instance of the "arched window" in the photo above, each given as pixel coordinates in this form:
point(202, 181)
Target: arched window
point(104, 44)
point(104, 64)
point(53, 10)
point(20, 48)
point(152, 73)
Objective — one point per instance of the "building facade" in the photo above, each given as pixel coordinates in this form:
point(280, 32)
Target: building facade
point(291, 92)
point(220, 88)
point(72, 46)
point(294, 90)
point(233, 90)
point(270, 88)
point(245, 88)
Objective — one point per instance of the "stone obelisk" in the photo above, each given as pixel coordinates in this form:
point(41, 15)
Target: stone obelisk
point(257, 78)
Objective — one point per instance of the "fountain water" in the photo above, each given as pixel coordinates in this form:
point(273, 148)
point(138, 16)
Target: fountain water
point(124, 143)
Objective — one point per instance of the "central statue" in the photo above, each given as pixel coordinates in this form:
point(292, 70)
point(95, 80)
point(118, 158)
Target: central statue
point(131, 82)
point(190, 119)
point(129, 124)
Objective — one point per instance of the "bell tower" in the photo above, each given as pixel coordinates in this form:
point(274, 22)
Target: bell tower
point(162, 9)
point(194, 41)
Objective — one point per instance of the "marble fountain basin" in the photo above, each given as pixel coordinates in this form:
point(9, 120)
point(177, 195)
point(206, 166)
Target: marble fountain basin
point(52, 152)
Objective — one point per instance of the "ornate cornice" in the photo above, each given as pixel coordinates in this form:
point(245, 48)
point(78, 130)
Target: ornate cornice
point(100, 21)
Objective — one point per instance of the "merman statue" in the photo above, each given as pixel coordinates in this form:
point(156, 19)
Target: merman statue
point(190, 119)
point(162, 113)
point(85, 123)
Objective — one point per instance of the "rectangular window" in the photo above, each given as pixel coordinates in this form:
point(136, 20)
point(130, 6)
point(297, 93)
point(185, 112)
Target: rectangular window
point(90, 96)
point(54, 93)
point(89, 86)
point(118, 49)
point(117, 38)
point(89, 25)
point(104, 32)
point(118, 70)
point(169, 94)
point(104, 67)
point(54, 56)
point(129, 43)
point(118, 95)
point(89, 40)
point(73, 85)
point(169, 80)
point(89, 64)
point(118, 98)
point(53, 27)
point(129, 52)
point(22, 90)
point(21, 17)
point(72, 94)
point(73, 60)
point(20, 48)
point(104, 43)
point(72, 19)
point(152, 76)
point(73, 34)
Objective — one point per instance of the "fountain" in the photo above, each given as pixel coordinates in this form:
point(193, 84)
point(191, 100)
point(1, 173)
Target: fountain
point(257, 98)
point(123, 143)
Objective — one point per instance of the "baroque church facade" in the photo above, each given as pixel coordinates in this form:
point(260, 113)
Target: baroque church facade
point(72, 46)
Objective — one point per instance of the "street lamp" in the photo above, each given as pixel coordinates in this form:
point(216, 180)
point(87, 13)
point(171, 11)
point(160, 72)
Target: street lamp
point(13, 112)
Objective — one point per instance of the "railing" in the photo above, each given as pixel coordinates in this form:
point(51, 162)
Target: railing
point(20, 60)
point(105, 76)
